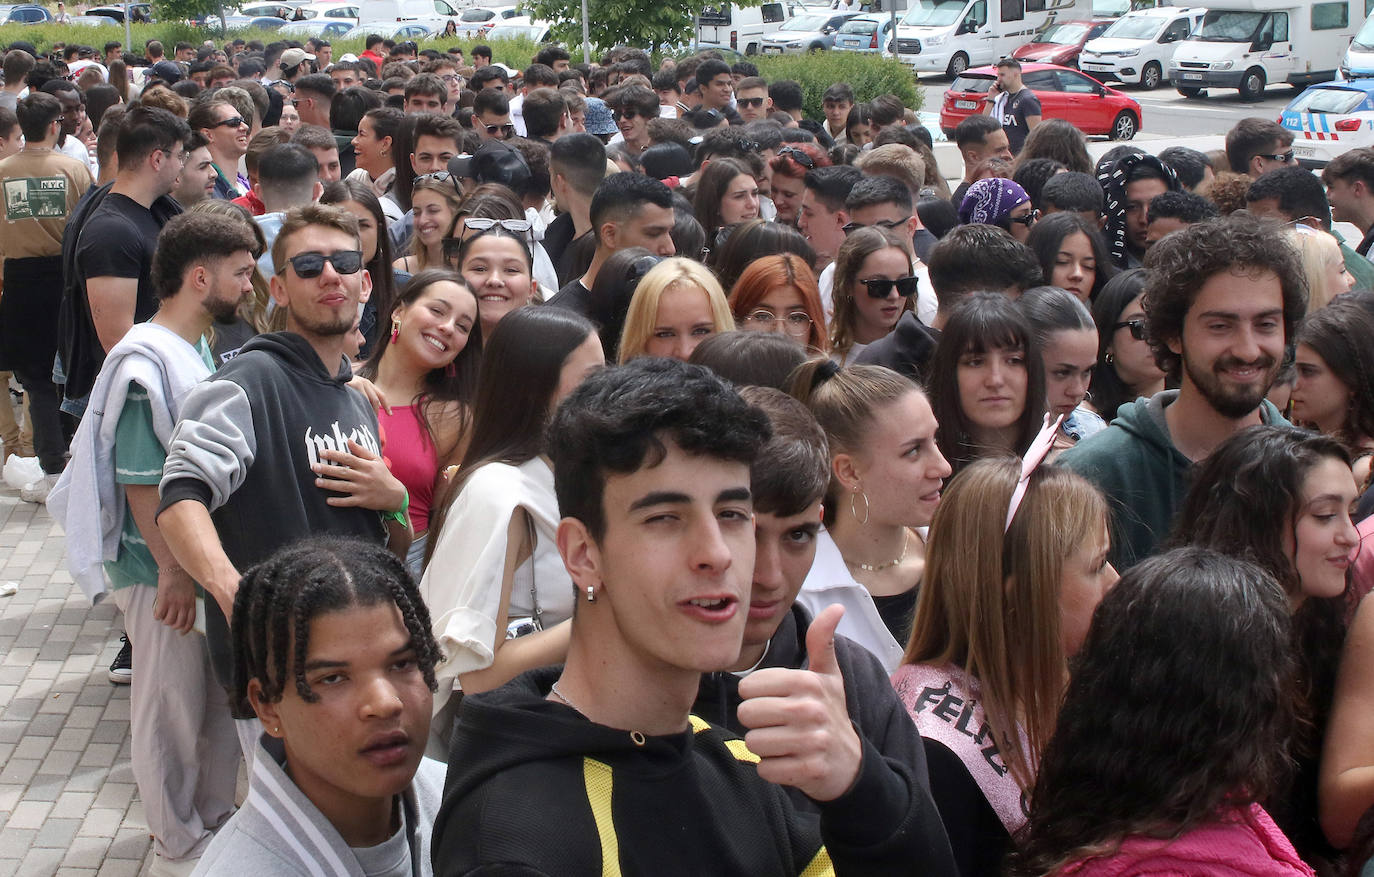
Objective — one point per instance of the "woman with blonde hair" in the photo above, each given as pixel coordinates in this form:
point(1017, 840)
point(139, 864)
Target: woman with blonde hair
point(875, 281)
point(886, 473)
point(779, 294)
point(1016, 564)
point(677, 304)
point(1322, 264)
point(435, 200)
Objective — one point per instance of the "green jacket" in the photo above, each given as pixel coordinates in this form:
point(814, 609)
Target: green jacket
point(1142, 474)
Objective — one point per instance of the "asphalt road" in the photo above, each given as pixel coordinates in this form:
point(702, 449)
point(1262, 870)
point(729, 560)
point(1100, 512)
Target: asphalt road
point(1168, 113)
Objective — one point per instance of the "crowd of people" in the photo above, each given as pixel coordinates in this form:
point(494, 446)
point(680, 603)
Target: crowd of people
point(609, 469)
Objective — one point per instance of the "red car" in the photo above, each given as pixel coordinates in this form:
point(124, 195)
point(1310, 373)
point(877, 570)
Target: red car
point(1061, 42)
point(1092, 107)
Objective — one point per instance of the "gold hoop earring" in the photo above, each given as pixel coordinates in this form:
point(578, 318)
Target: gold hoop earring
point(853, 511)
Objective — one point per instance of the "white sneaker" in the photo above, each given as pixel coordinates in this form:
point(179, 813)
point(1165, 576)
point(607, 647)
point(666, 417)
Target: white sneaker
point(37, 491)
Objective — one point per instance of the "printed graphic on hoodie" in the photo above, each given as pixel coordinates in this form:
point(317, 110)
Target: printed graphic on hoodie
point(337, 440)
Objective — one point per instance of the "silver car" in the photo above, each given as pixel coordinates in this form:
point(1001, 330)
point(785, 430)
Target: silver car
point(806, 32)
point(865, 33)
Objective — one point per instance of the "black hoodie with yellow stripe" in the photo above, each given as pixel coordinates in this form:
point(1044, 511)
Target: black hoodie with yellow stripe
point(534, 788)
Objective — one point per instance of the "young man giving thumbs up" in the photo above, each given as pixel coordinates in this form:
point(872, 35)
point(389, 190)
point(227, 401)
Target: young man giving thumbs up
point(599, 766)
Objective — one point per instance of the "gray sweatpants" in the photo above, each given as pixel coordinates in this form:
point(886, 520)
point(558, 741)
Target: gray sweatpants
point(185, 753)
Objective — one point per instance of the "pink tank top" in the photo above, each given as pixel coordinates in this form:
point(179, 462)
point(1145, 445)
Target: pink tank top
point(412, 458)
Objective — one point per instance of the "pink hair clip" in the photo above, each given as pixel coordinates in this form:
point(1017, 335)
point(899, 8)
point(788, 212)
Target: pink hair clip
point(1035, 455)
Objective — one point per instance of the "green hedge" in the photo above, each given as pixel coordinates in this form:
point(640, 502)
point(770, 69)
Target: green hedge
point(514, 53)
point(868, 75)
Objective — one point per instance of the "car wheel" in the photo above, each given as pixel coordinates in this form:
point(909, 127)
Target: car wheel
point(1189, 91)
point(958, 64)
point(1124, 126)
point(1252, 86)
point(817, 47)
point(1151, 76)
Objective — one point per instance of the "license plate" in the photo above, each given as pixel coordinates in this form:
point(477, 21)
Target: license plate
point(1087, 66)
point(1192, 76)
point(966, 105)
point(772, 50)
point(1304, 151)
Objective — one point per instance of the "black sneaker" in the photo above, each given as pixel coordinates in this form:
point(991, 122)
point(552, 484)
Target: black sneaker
point(122, 668)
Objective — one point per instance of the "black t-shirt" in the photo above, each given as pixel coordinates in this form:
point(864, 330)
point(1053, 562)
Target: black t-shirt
point(574, 297)
point(1014, 110)
point(118, 241)
point(898, 611)
point(557, 236)
point(923, 242)
point(957, 198)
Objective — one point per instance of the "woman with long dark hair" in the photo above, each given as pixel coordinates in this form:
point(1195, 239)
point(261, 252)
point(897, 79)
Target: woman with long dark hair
point(494, 581)
point(726, 195)
point(426, 364)
point(875, 282)
point(987, 381)
point(1067, 340)
point(358, 198)
point(1281, 498)
point(1126, 367)
point(1072, 255)
point(1163, 752)
point(1334, 393)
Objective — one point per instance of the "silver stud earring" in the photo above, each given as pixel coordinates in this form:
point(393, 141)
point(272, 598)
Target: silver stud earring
point(591, 594)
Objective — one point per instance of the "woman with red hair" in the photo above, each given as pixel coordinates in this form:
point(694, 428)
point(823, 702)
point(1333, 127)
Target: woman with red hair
point(779, 294)
point(786, 173)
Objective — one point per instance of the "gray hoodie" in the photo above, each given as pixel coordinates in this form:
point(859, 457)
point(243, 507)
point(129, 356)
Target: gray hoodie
point(278, 832)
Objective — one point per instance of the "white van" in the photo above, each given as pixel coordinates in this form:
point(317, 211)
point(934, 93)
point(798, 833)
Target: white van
point(741, 28)
point(1138, 46)
point(949, 36)
point(1358, 63)
point(1248, 44)
point(404, 10)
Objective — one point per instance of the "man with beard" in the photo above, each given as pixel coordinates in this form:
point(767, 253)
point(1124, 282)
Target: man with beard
point(182, 754)
point(1222, 300)
point(276, 446)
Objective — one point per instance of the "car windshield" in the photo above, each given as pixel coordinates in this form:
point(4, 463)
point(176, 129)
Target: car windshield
point(975, 84)
point(859, 25)
point(934, 13)
point(1228, 27)
point(1328, 100)
point(1365, 38)
point(1135, 27)
point(1063, 34)
point(806, 23)
point(476, 15)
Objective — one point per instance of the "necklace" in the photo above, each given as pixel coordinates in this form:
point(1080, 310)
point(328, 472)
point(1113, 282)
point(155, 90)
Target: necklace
point(554, 690)
point(635, 736)
point(871, 567)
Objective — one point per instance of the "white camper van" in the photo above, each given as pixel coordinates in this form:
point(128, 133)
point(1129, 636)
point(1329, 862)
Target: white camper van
point(741, 28)
point(1358, 62)
point(1248, 44)
point(949, 36)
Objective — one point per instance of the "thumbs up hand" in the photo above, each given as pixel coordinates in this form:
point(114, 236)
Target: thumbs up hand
point(799, 727)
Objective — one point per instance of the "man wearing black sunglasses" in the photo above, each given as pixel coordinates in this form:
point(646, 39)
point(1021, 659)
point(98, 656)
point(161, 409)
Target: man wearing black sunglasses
point(226, 134)
point(276, 446)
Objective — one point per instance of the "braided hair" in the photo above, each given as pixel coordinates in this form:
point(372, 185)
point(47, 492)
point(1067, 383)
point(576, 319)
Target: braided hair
point(279, 598)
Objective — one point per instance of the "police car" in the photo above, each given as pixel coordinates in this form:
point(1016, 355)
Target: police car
point(1329, 119)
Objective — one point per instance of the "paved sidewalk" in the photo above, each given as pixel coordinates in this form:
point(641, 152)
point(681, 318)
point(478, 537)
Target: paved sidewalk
point(68, 804)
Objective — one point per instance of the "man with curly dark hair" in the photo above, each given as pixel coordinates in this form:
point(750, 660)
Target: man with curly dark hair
point(1222, 301)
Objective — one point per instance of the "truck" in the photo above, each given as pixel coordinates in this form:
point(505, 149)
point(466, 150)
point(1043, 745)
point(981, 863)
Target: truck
point(949, 36)
point(1249, 44)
